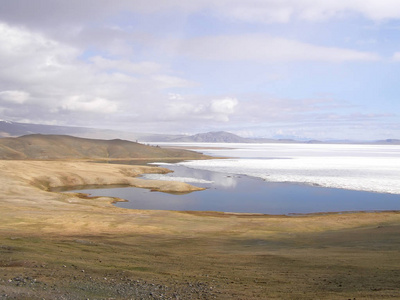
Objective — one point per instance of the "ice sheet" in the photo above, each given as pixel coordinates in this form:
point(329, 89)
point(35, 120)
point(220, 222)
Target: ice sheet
point(373, 168)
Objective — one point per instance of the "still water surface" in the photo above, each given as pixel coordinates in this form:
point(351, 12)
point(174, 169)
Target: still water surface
point(244, 194)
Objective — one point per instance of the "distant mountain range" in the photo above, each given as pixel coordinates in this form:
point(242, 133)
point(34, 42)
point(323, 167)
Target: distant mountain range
point(213, 137)
point(14, 129)
point(226, 137)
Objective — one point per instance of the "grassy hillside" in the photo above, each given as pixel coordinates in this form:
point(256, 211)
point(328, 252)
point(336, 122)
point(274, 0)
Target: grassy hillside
point(39, 146)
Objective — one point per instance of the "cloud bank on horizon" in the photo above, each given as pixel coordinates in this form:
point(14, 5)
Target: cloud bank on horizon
point(261, 68)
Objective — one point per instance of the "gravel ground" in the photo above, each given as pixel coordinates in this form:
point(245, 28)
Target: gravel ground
point(85, 286)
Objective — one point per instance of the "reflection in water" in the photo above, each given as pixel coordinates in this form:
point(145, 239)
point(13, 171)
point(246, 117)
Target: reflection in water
point(166, 177)
point(194, 176)
point(224, 181)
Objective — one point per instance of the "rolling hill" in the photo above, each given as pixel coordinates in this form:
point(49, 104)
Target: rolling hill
point(39, 146)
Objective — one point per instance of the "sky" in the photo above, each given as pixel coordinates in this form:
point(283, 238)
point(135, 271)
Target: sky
point(258, 68)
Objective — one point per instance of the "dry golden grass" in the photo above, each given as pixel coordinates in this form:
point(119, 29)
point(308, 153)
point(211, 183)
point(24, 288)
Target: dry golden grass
point(195, 254)
point(37, 146)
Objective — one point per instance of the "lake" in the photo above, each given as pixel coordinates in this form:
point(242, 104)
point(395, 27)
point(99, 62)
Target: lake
point(278, 179)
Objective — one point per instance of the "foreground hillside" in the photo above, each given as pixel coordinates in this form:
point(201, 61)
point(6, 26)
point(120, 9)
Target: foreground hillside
point(39, 146)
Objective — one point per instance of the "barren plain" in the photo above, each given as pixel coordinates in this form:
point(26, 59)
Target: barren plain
point(57, 245)
point(68, 246)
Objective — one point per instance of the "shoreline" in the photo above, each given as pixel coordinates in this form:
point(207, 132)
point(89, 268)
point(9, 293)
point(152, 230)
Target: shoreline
point(25, 188)
point(226, 191)
point(121, 175)
point(60, 246)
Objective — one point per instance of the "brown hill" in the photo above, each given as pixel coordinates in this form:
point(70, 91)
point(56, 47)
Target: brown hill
point(39, 146)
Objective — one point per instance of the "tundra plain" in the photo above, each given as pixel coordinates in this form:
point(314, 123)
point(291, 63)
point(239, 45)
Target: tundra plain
point(57, 245)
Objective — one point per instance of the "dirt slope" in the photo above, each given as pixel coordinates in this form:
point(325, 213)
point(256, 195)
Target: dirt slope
point(39, 146)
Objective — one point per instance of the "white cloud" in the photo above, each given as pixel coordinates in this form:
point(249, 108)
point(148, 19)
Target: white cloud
point(61, 87)
point(216, 110)
point(268, 49)
point(87, 104)
point(167, 82)
point(130, 80)
point(284, 11)
point(174, 96)
point(278, 11)
point(257, 11)
point(224, 106)
point(53, 15)
point(181, 110)
point(33, 50)
point(146, 67)
point(396, 56)
point(18, 97)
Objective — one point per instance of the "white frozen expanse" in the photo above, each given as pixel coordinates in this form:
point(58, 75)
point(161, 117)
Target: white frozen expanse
point(374, 168)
